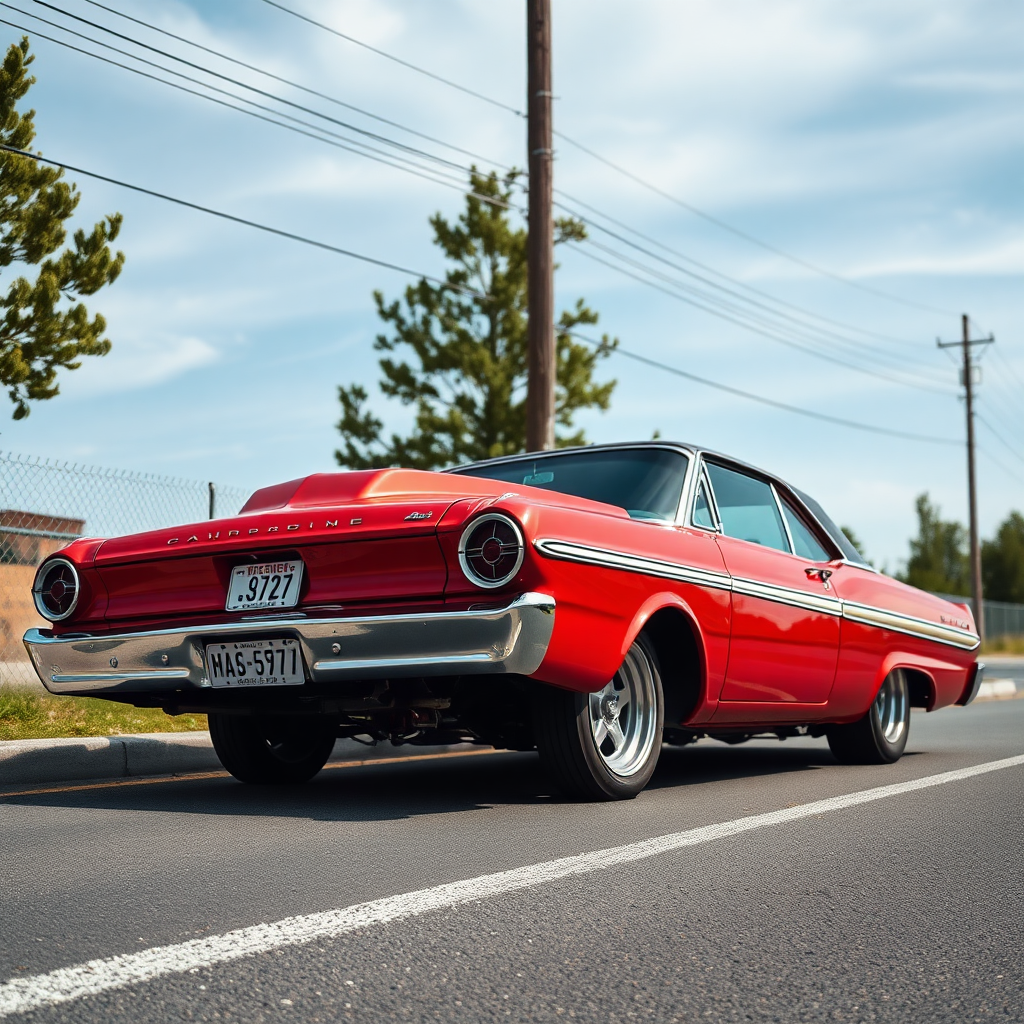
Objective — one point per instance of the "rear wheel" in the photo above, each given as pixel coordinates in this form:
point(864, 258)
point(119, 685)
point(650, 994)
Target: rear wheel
point(604, 745)
point(880, 737)
point(272, 750)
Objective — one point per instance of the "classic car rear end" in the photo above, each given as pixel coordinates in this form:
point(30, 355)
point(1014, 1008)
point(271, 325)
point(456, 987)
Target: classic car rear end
point(588, 603)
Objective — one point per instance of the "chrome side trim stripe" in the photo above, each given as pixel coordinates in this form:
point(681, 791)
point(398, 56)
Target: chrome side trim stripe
point(911, 625)
point(864, 614)
point(784, 595)
point(569, 552)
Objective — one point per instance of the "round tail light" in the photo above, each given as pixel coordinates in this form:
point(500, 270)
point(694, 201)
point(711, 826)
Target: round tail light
point(56, 589)
point(491, 550)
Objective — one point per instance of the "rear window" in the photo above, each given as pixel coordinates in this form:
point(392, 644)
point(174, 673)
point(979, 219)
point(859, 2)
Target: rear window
point(646, 482)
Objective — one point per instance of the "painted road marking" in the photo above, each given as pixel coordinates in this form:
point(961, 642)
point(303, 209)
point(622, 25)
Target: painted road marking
point(19, 995)
point(198, 776)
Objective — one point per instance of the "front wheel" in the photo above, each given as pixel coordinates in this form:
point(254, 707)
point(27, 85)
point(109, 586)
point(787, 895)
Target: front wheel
point(604, 745)
point(880, 737)
point(268, 750)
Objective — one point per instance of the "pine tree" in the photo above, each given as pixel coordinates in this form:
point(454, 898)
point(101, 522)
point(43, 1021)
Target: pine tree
point(938, 557)
point(43, 328)
point(468, 341)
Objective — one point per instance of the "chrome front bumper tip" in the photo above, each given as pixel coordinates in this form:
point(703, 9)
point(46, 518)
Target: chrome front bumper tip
point(488, 641)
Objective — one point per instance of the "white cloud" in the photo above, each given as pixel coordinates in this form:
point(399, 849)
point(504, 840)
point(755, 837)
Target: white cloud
point(136, 364)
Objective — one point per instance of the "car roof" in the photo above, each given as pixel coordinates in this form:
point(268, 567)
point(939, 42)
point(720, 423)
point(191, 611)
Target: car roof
point(689, 449)
point(817, 513)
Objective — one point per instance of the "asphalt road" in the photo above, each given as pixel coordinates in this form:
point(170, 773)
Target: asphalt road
point(1002, 667)
point(906, 908)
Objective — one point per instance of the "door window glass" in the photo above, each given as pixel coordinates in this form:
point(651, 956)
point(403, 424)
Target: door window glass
point(805, 543)
point(747, 508)
point(702, 509)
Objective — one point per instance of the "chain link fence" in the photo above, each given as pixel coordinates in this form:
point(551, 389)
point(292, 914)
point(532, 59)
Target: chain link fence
point(45, 504)
point(1002, 619)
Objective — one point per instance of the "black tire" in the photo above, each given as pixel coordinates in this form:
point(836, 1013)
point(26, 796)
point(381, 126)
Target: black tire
point(880, 737)
point(272, 751)
point(586, 765)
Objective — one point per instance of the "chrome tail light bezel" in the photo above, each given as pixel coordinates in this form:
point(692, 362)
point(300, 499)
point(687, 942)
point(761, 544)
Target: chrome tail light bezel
point(37, 588)
point(465, 556)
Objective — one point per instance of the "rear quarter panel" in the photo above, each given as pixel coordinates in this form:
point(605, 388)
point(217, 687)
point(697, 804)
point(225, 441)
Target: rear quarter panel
point(869, 653)
point(600, 610)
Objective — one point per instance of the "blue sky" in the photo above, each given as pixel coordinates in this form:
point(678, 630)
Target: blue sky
point(881, 142)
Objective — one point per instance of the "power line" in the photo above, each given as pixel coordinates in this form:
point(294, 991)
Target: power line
point(751, 396)
point(999, 437)
point(717, 273)
point(227, 78)
point(806, 264)
point(817, 336)
point(351, 254)
point(297, 85)
point(991, 458)
point(397, 60)
point(723, 225)
point(752, 326)
point(887, 354)
point(355, 146)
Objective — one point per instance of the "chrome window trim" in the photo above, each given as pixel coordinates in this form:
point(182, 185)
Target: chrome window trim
point(703, 478)
point(782, 516)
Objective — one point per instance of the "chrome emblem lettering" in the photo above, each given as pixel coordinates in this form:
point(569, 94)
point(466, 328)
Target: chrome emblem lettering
point(418, 515)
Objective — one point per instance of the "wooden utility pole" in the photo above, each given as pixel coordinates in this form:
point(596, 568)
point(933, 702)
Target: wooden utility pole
point(540, 385)
point(967, 380)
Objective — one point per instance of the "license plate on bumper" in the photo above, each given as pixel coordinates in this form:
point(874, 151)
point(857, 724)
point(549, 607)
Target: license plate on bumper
point(255, 663)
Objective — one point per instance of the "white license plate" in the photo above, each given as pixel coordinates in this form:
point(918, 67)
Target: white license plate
point(255, 663)
point(264, 585)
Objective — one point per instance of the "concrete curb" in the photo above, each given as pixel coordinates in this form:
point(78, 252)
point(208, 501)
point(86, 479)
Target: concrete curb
point(33, 762)
point(999, 689)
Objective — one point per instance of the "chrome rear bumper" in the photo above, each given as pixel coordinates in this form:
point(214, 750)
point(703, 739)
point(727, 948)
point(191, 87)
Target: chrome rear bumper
point(511, 639)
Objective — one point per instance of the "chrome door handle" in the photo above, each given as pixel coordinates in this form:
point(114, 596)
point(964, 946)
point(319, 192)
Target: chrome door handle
point(821, 574)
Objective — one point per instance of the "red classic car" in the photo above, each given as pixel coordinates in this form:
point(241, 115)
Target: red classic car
point(591, 603)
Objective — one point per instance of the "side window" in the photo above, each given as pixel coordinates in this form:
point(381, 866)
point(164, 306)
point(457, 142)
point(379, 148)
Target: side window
point(702, 508)
point(747, 508)
point(806, 544)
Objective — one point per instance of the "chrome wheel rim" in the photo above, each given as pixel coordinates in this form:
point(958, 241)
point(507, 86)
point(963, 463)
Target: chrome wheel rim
point(624, 716)
point(891, 706)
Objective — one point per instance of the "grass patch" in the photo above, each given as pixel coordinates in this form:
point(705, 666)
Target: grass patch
point(28, 715)
point(1003, 645)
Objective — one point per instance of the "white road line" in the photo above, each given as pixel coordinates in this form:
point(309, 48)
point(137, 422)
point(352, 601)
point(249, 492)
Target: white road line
point(20, 995)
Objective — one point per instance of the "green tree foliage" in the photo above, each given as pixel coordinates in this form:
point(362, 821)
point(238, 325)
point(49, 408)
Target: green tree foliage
point(1002, 562)
point(43, 327)
point(467, 339)
point(855, 541)
point(938, 554)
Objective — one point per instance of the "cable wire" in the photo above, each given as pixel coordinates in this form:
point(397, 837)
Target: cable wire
point(227, 78)
point(999, 437)
point(356, 146)
point(725, 277)
point(397, 60)
point(991, 458)
point(753, 327)
point(762, 399)
point(351, 254)
point(298, 85)
point(817, 335)
point(723, 225)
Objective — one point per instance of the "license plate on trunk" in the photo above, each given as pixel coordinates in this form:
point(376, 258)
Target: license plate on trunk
point(255, 663)
point(264, 585)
